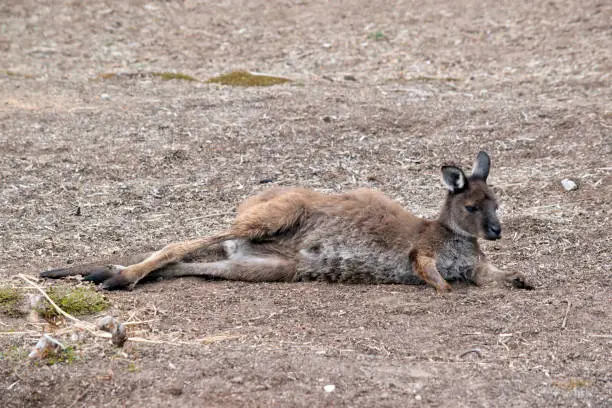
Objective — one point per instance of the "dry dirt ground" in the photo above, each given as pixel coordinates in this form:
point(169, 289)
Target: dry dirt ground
point(383, 93)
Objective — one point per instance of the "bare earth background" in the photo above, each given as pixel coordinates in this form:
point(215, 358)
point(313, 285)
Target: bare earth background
point(149, 161)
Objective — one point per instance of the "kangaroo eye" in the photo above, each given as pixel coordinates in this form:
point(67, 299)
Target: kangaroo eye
point(471, 209)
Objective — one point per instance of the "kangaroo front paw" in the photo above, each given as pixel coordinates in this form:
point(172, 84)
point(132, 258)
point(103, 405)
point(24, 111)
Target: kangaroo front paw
point(444, 288)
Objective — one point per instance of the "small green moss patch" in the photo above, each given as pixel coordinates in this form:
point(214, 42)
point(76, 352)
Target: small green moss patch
point(75, 301)
point(107, 75)
point(572, 383)
point(377, 36)
point(13, 353)
point(434, 78)
point(167, 76)
point(67, 355)
point(10, 299)
point(245, 78)
point(14, 74)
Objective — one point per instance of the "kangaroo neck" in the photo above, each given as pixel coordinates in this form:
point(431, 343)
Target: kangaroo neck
point(445, 219)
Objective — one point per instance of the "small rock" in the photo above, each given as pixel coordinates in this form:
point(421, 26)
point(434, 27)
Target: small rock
point(175, 390)
point(569, 185)
point(117, 330)
point(78, 336)
point(327, 119)
point(329, 388)
point(327, 45)
point(350, 78)
point(237, 380)
point(105, 97)
point(156, 192)
point(418, 397)
point(45, 346)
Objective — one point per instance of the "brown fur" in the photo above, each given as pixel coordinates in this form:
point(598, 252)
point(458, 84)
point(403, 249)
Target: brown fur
point(360, 236)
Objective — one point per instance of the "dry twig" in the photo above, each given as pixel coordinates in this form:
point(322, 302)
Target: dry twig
point(91, 328)
point(472, 350)
point(564, 323)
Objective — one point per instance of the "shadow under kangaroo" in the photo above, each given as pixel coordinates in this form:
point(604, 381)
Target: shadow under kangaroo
point(357, 237)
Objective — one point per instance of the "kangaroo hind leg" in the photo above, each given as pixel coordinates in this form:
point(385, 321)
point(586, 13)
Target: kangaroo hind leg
point(97, 271)
point(266, 219)
point(249, 269)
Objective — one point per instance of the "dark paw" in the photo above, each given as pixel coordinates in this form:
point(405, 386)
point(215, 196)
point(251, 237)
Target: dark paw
point(100, 274)
point(117, 282)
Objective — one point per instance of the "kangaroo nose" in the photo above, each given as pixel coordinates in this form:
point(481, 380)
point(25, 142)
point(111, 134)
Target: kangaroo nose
point(493, 232)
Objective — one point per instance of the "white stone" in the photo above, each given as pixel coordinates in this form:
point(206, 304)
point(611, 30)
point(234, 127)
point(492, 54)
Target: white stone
point(569, 185)
point(329, 388)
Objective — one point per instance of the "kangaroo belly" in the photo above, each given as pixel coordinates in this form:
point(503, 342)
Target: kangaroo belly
point(354, 266)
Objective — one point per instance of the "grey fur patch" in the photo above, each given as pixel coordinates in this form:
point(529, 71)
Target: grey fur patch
point(340, 253)
point(458, 258)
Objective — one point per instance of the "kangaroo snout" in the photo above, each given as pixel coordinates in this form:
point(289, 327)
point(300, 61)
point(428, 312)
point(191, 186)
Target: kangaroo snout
point(493, 232)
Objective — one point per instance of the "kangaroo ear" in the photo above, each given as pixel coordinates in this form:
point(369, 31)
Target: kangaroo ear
point(481, 166)
point(454, 178)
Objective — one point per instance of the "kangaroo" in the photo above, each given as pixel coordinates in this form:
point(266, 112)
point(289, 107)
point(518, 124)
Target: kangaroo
point(361, 236)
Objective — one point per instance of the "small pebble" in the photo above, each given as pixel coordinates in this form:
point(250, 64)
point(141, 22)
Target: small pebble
point(105, 97)
point(116, 329)
point(78, 336)
point(156, 192)
point(45, 346)
point(569, 185)
point(350, 78)
point(329, 388)
point(175, 390)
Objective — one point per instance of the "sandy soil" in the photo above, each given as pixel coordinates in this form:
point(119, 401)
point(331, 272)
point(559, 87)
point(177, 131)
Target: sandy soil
point(382, 95)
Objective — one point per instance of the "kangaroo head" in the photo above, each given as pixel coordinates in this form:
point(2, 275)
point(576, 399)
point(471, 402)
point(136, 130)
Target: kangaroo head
point(470, 205)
